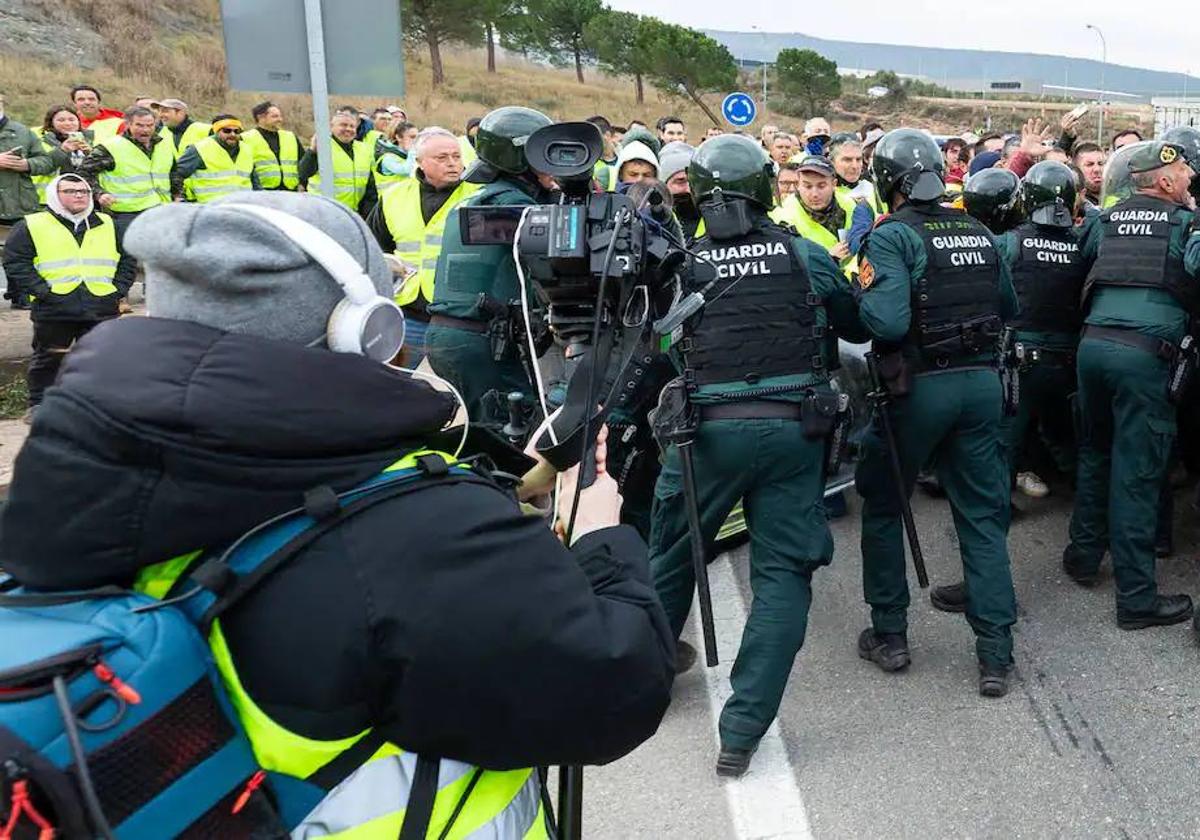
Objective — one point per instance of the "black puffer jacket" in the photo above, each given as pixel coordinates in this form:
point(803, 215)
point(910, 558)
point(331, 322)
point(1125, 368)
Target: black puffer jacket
point(456, 625)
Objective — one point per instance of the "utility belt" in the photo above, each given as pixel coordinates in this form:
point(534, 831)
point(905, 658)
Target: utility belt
point(956, 345)
point(1181, 359)
point(1028, 356)
point(465, 324)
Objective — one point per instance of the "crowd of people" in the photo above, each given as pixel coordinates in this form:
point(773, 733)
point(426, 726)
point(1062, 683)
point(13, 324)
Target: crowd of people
point(458, 648)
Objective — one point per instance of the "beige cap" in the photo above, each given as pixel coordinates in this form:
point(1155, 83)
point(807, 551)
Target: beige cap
point(174, 103)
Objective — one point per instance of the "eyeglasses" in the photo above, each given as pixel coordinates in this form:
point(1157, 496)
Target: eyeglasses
point(75, 192)
point(231, 131)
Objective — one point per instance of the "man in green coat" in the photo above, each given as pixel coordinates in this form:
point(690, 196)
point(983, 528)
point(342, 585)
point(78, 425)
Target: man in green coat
point(755, 364)
point(934, 295)
point(1141, 299)
point(21, 157)
point(474, 284)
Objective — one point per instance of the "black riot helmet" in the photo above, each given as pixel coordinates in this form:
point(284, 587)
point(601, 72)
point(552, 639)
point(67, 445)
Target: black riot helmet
point(993, 196)
point(908, 161)
point(735, 165)
point(1048, 193)
point(500, 143)
point(1188, 138)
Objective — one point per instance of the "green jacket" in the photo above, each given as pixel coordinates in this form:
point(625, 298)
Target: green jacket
point(18, 195)
point(838, 313)
point(1151, 311)
point(897, 261)
point(464, 272)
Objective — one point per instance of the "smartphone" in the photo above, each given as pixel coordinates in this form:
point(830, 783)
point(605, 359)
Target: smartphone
point(76, 135)
point(1079, 110)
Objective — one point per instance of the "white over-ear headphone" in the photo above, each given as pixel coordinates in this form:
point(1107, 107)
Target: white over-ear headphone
point(363, 322)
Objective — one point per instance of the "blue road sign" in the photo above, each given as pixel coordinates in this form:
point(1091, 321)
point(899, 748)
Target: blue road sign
point(739, 109)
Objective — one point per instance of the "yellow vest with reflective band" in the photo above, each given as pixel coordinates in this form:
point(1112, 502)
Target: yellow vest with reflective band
point(273, 171)
point(369, 804)
point(193, 134)
point(221, 174)
point(871, 197)
point(350, 177)
point(65, 263)
point(42, 181)
point(466, 150)
point(137, 182)
point(105, 128)
point(796, 214)
point(384, 181)
point(372, 138)
point(417, 243)
point(606, 174)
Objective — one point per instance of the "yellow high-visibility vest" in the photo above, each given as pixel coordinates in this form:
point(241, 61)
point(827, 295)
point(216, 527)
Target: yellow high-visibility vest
point(105, 128)
point(273, 171)
point(350, 176)
point(371, 801)
point(193, 134)
point(43, 181)
point(793, 212)
point(137, 182)
point(418, 244)
point(65, 263)
point(221, 174)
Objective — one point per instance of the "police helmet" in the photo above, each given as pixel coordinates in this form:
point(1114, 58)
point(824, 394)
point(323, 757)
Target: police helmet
point(643, 135)
point(1118, 178)
point(1048, 193)
point(1189, 139)
point(500, 143)
point(993, 196)
point(908, 161)
point(734, 164)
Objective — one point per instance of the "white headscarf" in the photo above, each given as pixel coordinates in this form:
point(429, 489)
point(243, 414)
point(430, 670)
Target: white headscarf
point(55, 205)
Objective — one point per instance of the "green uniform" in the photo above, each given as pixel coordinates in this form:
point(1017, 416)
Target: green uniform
point(951, 414)
point(1047, 381)
point(1126, 423)
point(469, 279)
point(770, 464)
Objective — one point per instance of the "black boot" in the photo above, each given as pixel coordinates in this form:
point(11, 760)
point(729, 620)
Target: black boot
point(1086, 579)
point(887, 650)
point(993, 679)
point(951, 598)
point(734, 761)
point(685, 656)
point(1167, 609)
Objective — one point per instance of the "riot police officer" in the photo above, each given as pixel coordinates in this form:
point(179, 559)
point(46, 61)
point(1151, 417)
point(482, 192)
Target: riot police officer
point(934, 294)
point(1048, 269)
point(475, 284)
point(993, 196)
point(755, 369)
point(1140, 299)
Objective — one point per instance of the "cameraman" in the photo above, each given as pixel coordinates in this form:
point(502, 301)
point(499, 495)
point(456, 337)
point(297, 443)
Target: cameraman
point(441, 621)
point(473, 284)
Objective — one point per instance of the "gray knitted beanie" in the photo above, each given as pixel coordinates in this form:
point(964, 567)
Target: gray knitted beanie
point(236, 272)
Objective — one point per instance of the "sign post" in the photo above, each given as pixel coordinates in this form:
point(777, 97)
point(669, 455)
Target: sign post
point(319, 81)
point(739, 109)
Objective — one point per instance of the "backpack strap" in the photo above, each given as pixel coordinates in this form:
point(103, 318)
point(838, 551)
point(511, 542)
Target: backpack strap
point(54, 599)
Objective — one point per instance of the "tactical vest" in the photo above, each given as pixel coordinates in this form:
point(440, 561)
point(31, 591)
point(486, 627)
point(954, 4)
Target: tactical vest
point(1048, 276)
point(766, 323)
point(956, 305)
point(1136, 250)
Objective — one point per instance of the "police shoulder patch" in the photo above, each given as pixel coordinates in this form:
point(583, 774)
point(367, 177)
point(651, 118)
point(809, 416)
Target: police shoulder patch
point(866, 273)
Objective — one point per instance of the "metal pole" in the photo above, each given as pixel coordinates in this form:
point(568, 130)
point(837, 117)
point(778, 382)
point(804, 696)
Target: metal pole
point(319, 82)
point(570, 803)
point(1103, 65)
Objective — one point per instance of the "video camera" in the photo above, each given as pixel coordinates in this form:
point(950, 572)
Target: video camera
point(598, 265)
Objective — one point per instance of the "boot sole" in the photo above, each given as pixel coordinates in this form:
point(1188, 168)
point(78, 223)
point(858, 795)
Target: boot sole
point(1144, 623)
point(993, 689)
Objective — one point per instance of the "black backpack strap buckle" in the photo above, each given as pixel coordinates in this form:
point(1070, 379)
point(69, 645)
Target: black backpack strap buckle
point(321, 503)
point(432, 465)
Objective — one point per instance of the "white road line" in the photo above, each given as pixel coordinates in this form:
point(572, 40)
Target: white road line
point(765, 804)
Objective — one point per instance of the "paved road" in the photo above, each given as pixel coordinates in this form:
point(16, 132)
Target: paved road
point(1099, 737)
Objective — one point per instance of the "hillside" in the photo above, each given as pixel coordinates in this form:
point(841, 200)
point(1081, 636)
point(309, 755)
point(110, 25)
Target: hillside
point(142, 47)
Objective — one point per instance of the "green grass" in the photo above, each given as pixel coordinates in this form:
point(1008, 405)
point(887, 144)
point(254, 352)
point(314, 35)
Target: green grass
point(14, 397)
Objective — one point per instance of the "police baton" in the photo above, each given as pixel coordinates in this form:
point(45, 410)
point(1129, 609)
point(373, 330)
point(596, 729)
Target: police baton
point(881, 398)
point(699, 560)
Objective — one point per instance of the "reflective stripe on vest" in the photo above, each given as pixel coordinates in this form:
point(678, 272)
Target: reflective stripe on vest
point(42, 181)
point(370, 802)
point(221, 174)
point(418, 244)
point(106, 128)
point(137, 182)
point(272, 170)
point(384, 181)
point(65, 263)
point(794, 212)
point(350, 177)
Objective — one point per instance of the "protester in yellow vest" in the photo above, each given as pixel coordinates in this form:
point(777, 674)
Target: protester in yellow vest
point(410, 222)
point(103, 122)
point(846, 154)
point(221, 164)
point(353, 162)
point(135, 172)
point(487, 642)
point(394, 162)
point(64, 141)
point(67, 261)
point(838, 223)
point(276, 150)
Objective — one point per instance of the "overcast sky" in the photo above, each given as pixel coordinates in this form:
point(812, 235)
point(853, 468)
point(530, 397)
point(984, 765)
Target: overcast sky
point(1134, 38)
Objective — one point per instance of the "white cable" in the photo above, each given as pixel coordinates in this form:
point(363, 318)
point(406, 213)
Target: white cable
point(434, 378)
point(533, 358)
